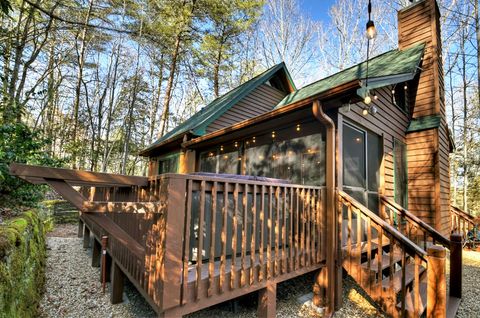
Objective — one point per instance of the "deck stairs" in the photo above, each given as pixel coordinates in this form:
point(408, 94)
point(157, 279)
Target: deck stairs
point(390, 261)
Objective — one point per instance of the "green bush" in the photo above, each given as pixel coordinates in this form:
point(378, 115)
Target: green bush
point(19, 144)
point(22, 264)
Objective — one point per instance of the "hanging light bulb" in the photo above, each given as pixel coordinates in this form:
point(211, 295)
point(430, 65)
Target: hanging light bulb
point(375, 96)
point(367, 99)
point(371, 31)
point(365, 112)
point(373, 110)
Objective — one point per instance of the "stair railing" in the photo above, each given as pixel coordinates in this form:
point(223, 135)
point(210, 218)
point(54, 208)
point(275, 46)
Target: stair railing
point(462, 222)
point(422, 233)
point(358, 223)
point(410, 225)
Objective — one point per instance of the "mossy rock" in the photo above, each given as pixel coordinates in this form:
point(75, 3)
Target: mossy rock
point(22, 265)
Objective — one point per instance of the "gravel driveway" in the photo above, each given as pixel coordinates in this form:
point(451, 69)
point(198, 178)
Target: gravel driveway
point(73, 289)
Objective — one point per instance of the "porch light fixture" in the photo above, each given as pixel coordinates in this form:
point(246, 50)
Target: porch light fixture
point(371, 33)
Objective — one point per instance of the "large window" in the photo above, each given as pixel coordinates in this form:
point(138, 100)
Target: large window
point(168, 164)
point(295, 153)
point(400, 173)
point(362, 157)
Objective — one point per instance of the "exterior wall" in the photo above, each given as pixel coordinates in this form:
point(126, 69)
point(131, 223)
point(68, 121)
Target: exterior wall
point(260, 101)
point(389, 122)
point(428, 150)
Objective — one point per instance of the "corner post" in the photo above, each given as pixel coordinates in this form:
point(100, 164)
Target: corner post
point(173, 242)
point(456, 265)
point(267, 300)
point(437, 285)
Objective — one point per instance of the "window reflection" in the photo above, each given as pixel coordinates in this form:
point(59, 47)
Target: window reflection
point(295, 153)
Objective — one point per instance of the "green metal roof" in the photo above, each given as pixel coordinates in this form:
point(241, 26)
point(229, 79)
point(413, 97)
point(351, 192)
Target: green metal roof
point(423, 123)
point(198, 123)
point(391, 67)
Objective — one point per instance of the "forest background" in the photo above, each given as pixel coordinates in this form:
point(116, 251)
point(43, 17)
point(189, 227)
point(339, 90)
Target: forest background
point(89, 83)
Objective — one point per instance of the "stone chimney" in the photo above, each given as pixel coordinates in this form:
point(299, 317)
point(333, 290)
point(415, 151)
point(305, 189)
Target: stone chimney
point(428, 143)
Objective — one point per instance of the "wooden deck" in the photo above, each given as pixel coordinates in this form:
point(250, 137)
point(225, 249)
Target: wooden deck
point(252, 234)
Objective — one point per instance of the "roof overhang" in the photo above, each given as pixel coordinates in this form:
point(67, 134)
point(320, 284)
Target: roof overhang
point(166, 145)
point(383, 81)
point(244, 127)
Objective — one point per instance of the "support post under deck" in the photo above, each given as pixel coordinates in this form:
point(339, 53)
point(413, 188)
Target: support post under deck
point(267, 301)
point(86, 238)
point(96, 253)
point(80, 227)
point(118, 278)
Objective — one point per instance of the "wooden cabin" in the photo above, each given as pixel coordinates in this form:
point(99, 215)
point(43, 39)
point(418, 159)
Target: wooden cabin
point(269, 182)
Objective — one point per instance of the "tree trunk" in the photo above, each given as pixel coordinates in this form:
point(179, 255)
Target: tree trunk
point(465, 122)
point(78, 86)
point(168, 91)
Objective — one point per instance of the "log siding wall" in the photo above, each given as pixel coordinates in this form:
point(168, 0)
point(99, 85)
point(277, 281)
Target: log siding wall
point(261, 100)
point(428, 150)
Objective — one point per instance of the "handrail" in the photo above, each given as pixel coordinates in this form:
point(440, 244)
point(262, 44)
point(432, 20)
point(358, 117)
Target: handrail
point(462, 221)
point(437, 236)
point(387, 227)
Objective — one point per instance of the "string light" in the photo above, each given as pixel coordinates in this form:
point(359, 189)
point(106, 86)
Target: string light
point(236, 144)
point(298, 127)
point(221, 148)
point(273, 134)
point(365, 112)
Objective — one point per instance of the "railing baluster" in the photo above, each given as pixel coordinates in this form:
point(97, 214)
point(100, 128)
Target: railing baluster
point(369, 254)
point(262, 234)
point(307, 211)
point(302, 241)
point(186, 253)
point(291, 248)
point(211, 261)
point(313, 221)
point(404, 287)
point(416, 286)
point(223, 257)
point(358, 257)
point(349, 236)
point(244, 234)
point(201, 218)
point(254, 234)
point(269, 239)
point(284, 230)
point(233, 271)
point(276, 269)
point(297, 228)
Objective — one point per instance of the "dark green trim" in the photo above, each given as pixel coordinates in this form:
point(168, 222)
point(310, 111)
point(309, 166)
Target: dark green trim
point(387, 68)
point(424, 123)
point(405, 158)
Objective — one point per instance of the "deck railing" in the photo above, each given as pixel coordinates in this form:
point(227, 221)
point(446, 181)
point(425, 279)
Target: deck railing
point(462, 222)
point(239, 233)
point(210, 238)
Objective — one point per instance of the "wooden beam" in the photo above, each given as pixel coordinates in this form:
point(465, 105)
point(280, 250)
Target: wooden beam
point(74, 177)
point(67, 192)
point(125, 207)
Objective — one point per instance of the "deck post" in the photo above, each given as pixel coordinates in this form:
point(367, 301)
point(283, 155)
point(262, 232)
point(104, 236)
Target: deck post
point(437, 286)
point(118, 277)
point(80, 227)
point(456, 265)
point(86, 238)
point(320, 288)
point(108, 267)
point(96, 253)
point(173, 242)
point(267, 300)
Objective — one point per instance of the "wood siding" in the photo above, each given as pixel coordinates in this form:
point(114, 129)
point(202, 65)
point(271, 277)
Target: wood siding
point(259, 101)
point(389, 122)
point(428, 151)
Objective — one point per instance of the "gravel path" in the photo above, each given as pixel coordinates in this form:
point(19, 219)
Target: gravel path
point(73, 289)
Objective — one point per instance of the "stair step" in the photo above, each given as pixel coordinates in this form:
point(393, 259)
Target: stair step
point(397, 257)
point(410, 301)
point(397, 277)
point(364, 245)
